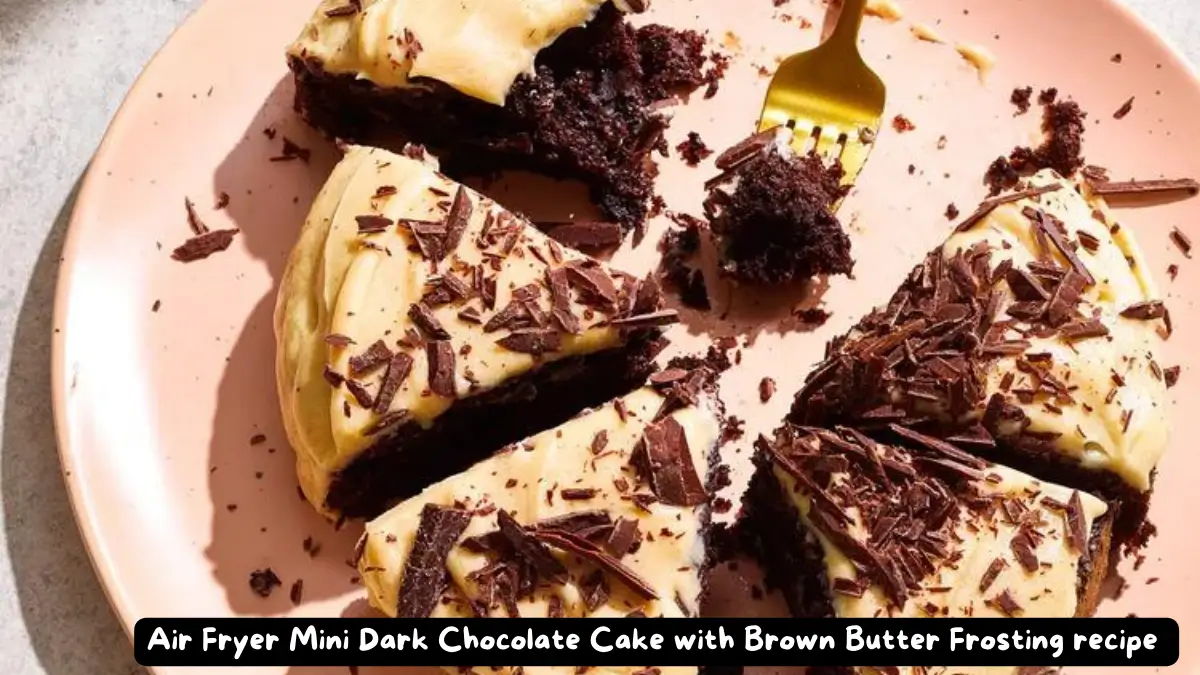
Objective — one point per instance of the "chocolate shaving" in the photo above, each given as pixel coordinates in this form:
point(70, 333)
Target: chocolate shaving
point(1076, 532)
point(1145, 311)
point(456, 222)
point(429, 236)
point(599, 442)
point(1023, 550)
point(1124, 110)
point(624, 534)
point(425, 577)
point(533, 341)
point(376, 355)
point(1043, 221)
point(1171, 375)
point(360, 394)
point(1082, 330)
point(938, 446)
point(662, 317)
point(193, 219)
point(423, 317)
point(1181, 240)
point(397, 370)
point(988, 205)
point(1005, 603)
point(991, 573)
point(440, 354)
point(588, 551)
point(669, 460)
point(746, 149)
point(1189, 186)
point(593, 283)
point(372, 224)
point(594, 588)
point(578, 494)
point(560, 300)
point(202, 246)
point(338, 340)
point(527, 545)
point(584, 235)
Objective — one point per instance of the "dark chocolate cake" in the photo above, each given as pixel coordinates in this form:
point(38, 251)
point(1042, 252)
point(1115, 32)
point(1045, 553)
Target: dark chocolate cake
point(1029, 338)
point(528, 533)
point(421, 327)
point(848, 527)
point(587, 107)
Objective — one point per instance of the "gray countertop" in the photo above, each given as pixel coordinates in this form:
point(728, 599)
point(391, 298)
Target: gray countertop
point(65, 65)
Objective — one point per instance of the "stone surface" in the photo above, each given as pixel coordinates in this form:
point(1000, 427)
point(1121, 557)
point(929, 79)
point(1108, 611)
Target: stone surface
point(65, 65)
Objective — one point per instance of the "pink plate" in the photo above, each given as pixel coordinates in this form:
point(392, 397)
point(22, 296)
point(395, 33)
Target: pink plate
point(156, 410)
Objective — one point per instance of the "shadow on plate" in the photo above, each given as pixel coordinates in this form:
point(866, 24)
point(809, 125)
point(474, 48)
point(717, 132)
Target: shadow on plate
point(70, 625)
point(259, 519)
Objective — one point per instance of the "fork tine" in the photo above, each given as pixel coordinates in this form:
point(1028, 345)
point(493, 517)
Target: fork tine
point(853, 157)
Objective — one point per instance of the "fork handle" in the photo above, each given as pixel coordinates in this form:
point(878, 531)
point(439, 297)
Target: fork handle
point(845, 33)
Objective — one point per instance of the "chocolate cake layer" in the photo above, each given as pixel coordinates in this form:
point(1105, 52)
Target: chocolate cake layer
point(558, 90)
point(1030, 338)
point(848, 527)
point(414, 310)
point(412, 457)
point(605, 515)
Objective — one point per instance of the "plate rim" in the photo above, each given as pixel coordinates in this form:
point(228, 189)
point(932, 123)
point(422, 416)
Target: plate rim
point(78, 494)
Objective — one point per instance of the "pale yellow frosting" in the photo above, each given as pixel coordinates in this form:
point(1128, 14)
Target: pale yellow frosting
point(1093, 431)
point(342, 282)
point(669, 558)
point(1049, 592)
point(478, 47)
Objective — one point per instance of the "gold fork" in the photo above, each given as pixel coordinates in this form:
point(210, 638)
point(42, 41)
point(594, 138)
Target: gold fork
point(829, 97)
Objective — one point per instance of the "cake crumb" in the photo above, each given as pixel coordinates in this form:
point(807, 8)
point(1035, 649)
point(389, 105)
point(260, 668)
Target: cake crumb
point(1021, 99)
point(718, 64)
point(263, 581)
point(693, 150)
point(1116, 58)
point(679, 247)
point(902, 124)
point(814, 316)
point(766, 389)
point(951, 211)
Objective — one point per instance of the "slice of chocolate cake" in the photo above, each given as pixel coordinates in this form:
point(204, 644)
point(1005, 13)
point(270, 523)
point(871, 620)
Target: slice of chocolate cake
point(771, 212)
point(421, 326)
point(850, 528)
point(1030, 337)
point(606, 515)
point(566, 87)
